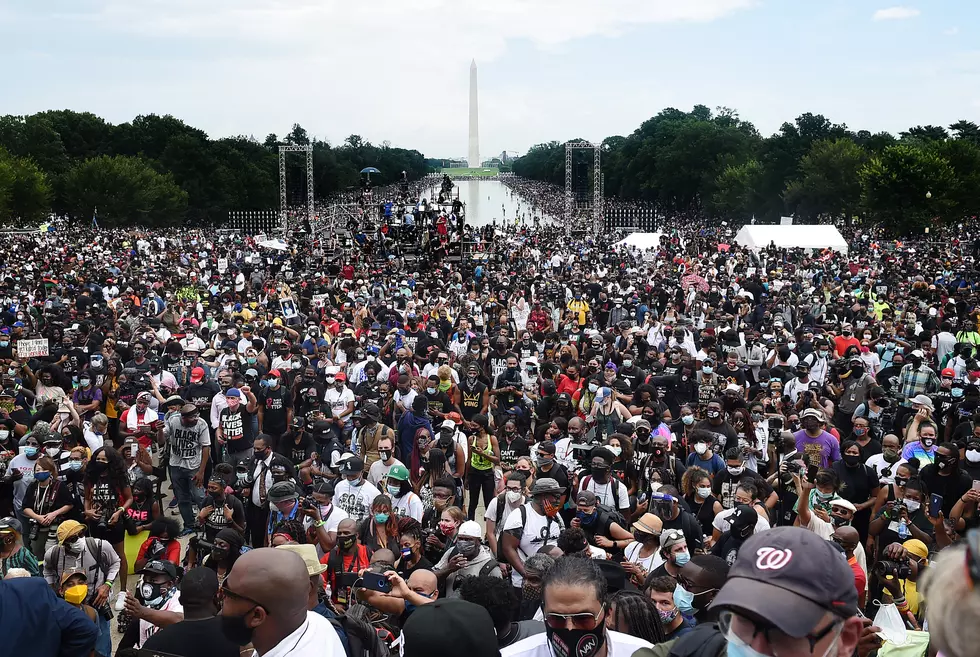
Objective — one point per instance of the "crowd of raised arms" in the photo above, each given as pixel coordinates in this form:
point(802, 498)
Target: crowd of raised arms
point(556, 447)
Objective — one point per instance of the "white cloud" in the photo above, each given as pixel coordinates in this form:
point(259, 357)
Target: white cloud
point(895, 13)
point(343, 66)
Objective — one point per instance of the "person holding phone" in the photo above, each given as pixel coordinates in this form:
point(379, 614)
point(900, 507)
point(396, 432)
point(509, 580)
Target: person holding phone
point(944, 477)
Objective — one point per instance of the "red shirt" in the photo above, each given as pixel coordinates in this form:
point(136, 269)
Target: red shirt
point(860, 578)
point(351, 563)
point(172, 554)
point(565, 384)
point(841, 343)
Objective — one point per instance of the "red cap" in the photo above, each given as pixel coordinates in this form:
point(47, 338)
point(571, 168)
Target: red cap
point(341, 376)
point(197, 374)
point(275, 373)
point(949, 371)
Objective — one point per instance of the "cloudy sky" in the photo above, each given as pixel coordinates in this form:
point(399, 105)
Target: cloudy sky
point(398, 70)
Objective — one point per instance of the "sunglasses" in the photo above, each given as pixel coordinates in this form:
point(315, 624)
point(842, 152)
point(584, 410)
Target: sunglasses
point(580, 621)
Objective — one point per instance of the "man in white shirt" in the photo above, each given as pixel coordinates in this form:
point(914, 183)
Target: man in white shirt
point(353, 494)
point(379, 469)
point(532, 526)
point(161, 601)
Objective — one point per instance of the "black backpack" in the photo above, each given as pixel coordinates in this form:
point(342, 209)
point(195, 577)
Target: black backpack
point(614, 514)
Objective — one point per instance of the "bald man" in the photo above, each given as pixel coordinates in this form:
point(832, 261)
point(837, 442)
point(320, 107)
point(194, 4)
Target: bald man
point(848, 538)
point(265, 605)
point(421, 588)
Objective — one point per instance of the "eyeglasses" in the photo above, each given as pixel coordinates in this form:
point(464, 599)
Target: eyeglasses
point(743, 631)
point(226, 592)
point(580, 621)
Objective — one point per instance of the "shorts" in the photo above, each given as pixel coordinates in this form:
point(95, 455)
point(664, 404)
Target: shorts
point(114, 534)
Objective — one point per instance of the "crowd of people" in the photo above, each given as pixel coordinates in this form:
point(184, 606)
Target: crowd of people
point(557, 448)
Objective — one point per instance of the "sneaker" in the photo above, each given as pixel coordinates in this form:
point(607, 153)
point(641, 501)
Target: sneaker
point(173, 503)
point(188, 531)
point(121, 601)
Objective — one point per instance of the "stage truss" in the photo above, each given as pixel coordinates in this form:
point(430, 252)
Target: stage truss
point(597, 185)
point(283, 205)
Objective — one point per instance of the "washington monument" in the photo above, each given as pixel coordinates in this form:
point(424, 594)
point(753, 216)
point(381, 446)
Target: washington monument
point(474, 153)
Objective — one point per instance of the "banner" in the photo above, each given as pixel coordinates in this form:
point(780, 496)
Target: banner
point(32, 348)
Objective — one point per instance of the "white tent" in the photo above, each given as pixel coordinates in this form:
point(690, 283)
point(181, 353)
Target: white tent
point(277, 245)
point(790, 237)
point(641, 240)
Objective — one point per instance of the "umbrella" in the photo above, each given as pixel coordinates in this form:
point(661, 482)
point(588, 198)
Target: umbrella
point(696, 281)
point(370, 170)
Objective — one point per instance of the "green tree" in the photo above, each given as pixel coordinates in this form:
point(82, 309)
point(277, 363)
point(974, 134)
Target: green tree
point(736, 192)
point(125, 190)
point(966, 130)
point(925, 133)
point(907, 188)
point(25, 193)
point(829, 185)
point(963, 156)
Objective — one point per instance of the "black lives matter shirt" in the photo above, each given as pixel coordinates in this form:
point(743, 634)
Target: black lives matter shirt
point(237, 428)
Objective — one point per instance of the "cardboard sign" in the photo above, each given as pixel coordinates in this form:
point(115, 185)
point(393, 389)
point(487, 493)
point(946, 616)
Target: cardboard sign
point(222, 265)
point(319, 300)
point(32, 348)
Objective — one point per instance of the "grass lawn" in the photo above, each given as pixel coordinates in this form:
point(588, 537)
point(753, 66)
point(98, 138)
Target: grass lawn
point(465, 171)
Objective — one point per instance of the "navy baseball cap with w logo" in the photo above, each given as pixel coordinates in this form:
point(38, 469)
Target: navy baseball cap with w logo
point(790, 577)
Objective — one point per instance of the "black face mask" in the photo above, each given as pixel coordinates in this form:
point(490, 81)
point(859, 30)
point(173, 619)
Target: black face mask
point(347, 542)
point(600, 475)
point(852, 460)
point(576, 643)
point(236, 630)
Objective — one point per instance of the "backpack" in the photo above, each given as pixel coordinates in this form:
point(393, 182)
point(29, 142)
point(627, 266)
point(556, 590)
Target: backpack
point(614, 513)
point(92, 545)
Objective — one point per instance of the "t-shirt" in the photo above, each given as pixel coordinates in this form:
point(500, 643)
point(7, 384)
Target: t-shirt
point(216, 520)
point(822, 450)
point(537, 531)
point(379, 470)
point(338, 400)
point(951, 487)
point(237, 429)
point(617, 645)
point(198, 638)
point(491, 514)
point(884, 469)
point(187, 443)
point(614, 499)
point(355, 500)
point(408, 505)
point(275, 405)
point(723, 524)
point(148, 629)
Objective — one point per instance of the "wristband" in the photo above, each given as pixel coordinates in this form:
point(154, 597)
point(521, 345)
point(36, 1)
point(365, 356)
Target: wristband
point(109, 582)
point(319, 523)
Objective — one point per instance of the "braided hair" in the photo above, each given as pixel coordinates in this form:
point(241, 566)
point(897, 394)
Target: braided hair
point(634, 613)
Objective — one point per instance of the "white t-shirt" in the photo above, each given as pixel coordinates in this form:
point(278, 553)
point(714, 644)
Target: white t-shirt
point(605, 495)
point(379, 470)
point(338, 400)
point(650, 564)
point(878, 463)
point(722, 524)
point(148, 629)
point(355, 500)
point(408, 505)
point(332, 517)
point(537, 532)
point(490, 515)
point(618, 645)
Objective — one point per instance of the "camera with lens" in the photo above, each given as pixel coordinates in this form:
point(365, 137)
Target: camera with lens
point(793, 467)
point(33, 528)
point(309, 503)
point(896, 569)
point(200, 544)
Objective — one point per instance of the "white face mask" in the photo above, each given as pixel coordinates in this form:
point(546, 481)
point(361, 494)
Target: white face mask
point(615, 450)
point(514, 496)
point(972, 455)
point(704, 493)
point(52, 451)
point(913, 505)
point(700, 448)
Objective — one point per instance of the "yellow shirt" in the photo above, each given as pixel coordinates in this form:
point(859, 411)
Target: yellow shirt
point(580, 307)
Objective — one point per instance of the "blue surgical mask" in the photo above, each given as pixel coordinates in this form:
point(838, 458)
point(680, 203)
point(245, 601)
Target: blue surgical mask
point(30, 452)
point(687, 419)
point(43, 475)
point(74, 465)
point(956, 392)
point(395, 491)
point(681, 559)
point(683, 600)
point(381, 518)
point(738, 649)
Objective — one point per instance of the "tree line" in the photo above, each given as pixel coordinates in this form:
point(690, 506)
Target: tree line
point(713, 165)
point(157, 170)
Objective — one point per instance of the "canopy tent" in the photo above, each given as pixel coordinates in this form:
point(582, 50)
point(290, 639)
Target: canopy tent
point(641, 240)
point(792, 237)
point(277, 245)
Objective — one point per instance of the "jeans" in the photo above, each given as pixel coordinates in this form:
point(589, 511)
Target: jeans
point(103, 644)
point(186, 493)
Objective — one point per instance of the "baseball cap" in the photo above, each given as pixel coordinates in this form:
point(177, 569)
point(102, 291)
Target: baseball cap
point(11, 524)
point(917, 353)
point(353, 465)
point(449, 626)
point(923, 400)
point(275, 373)
point(197, 375)
point(233, 392)
point(790, 576)
point(307, 553)
point(448, 424)
point(671, 537)
point(340, 377)
point(948, 371)
point(585, 498)
point(159, 568)
point(470, 528)
point(69, 529)
point(398, 472)
point(812, 412)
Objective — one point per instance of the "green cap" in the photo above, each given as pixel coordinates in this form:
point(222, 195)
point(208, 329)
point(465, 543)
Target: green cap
point(399, 472)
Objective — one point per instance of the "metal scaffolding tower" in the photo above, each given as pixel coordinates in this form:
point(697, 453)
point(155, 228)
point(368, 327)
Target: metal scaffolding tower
point(597, 187)
point(283, 206)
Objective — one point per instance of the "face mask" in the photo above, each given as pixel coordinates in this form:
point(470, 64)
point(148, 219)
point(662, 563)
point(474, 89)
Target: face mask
point(84, 382)
point(468, 549)
point(973, 456)
point(447, 528)
point(707, 370)
point(152, 594)
point(667, 616)
point(683, 600)
point(514, 496)
point(236, 629)
point(956, 392)
point(576, 643)
point(851, 460)
point(615, 449)
point(77, 545)
point(74, 595)
point(735, 471)
point(74, 465)
point(901, 481)
point(52, 451)
point(381, 518)
point(30, 452)
point(593, 388)
point(713, 415)
point(394, 491)
point(704, 493)
point(347, 542)
point(946, 462)
point(913, 505)
point(700, 448)
point(688, 420)
point(627, 364)
point(890, 455)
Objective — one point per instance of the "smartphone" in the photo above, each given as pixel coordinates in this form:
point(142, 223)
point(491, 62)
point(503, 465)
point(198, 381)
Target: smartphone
point(976, 484)
point(811, 472)
point(935, 505)
point(375, 582)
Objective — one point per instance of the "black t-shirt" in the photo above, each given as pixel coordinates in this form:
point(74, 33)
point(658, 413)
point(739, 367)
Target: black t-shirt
point(856, 483)
point(724, 483)
point(423, 564)
point(193, 638)
point(510, 452)
point(471, 398)
point(724, 434)
point(296, 452)
point(727, 547)
point(558, 473)
point(439, 402)
point(216, 520)
point(873, 447)
point(275, 405)
point(703, 511)
point(951, 487)
point(237, 429)
point(691, 528)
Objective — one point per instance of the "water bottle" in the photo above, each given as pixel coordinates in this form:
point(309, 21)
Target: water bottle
point(903, 530)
